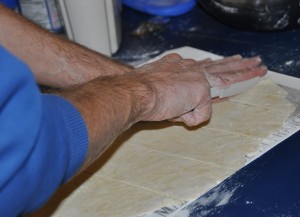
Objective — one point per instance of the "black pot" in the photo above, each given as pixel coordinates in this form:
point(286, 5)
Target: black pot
point(263, 15)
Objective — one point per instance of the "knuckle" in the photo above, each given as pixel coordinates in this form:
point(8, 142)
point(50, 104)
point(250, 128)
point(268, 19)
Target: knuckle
point(173, 56)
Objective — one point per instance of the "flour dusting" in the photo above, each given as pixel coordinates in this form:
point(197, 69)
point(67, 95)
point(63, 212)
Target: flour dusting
point(288, 63)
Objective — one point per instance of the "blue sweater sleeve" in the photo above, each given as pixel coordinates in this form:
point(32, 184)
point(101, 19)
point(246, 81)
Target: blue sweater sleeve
point(43, 140)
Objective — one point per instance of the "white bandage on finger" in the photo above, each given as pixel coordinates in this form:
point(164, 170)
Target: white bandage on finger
point(207, 75)
point(214, 92)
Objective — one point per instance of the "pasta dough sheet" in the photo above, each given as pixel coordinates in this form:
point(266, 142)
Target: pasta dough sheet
point(160, 164)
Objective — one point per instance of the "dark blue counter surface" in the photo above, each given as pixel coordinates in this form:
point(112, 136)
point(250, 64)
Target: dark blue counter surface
point(280, 51)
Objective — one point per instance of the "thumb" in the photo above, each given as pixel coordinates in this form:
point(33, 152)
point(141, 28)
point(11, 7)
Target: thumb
point(196, 116)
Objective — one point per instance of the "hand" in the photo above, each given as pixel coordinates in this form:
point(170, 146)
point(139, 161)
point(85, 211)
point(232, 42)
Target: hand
point(182, 92)
point(182, 86)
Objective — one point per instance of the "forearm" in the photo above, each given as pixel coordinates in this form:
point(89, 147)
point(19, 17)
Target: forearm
point(109, 106)
point(54, 60)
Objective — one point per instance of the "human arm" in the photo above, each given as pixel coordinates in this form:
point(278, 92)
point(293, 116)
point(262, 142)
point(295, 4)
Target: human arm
point(54, 60)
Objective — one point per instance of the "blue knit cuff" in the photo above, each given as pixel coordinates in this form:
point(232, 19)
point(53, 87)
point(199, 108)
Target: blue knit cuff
point(77, 133)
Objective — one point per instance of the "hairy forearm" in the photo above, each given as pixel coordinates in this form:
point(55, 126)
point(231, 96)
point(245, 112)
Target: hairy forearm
point(54, 60)
point(109, 106)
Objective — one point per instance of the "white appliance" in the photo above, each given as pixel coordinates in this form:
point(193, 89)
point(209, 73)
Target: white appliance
point(93, 23)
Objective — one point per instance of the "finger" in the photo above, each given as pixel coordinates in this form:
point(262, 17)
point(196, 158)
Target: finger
point(195, 117)
point(198, 115)
point(228, 78)
point(246, 74)
point(173, 57)
point(227, 59)
point(218, 100)
point(234, 66)
point(220, 61)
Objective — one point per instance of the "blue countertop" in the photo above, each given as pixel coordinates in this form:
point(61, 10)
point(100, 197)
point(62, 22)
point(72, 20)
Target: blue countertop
point(280, 51)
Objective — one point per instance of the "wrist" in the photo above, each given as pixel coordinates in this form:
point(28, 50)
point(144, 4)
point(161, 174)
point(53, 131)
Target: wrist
point(143, 97)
